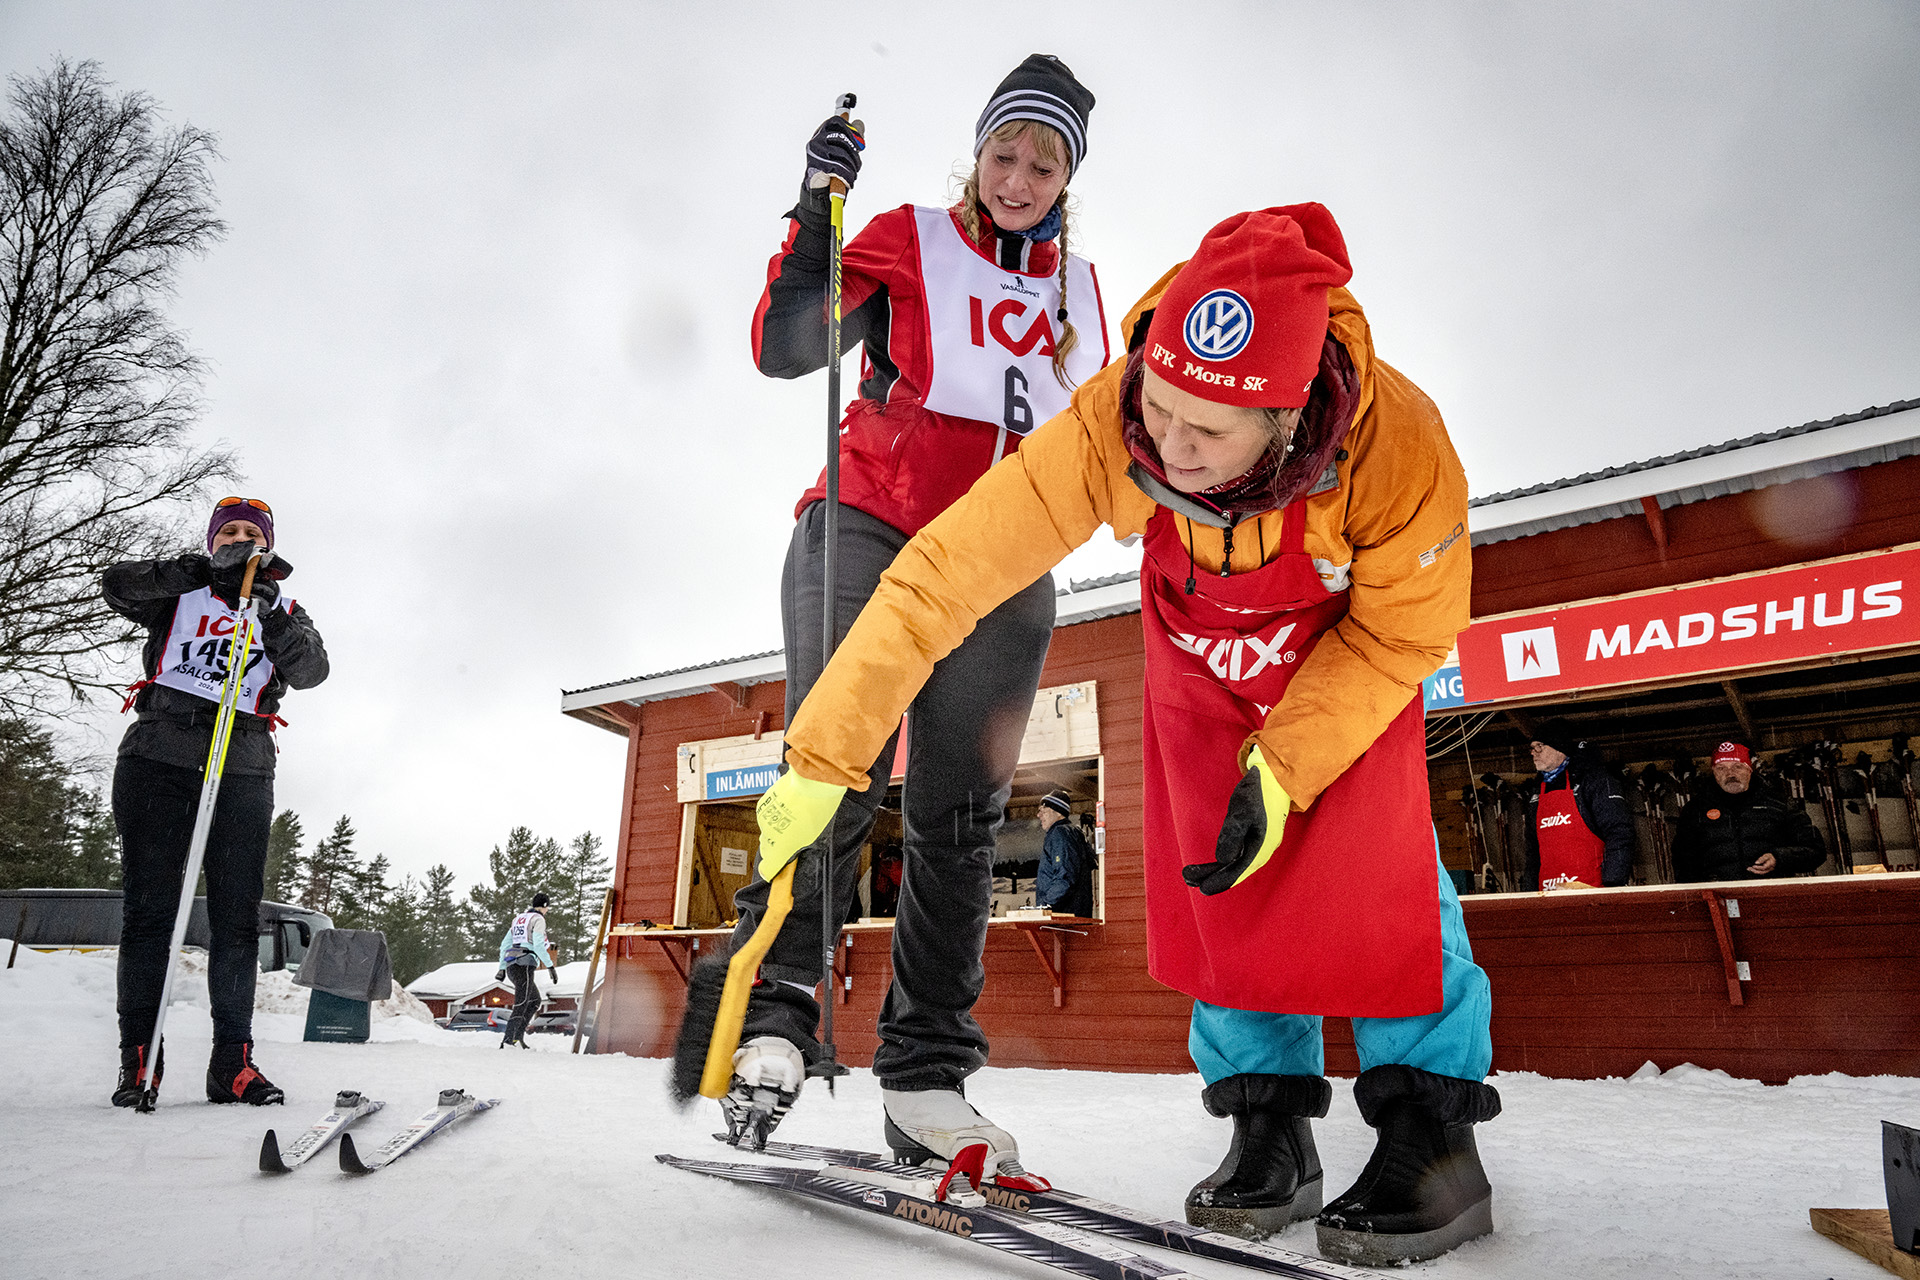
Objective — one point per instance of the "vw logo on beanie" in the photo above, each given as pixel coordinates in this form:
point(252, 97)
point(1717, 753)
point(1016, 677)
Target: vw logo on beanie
point(1244, 320)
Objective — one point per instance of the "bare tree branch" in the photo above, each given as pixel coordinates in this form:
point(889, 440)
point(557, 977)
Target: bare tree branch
point(98, 205)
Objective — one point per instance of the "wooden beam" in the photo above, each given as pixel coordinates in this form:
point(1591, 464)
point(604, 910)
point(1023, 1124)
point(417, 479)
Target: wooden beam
point(1869, 1233)
point(1656, 523)
point(1723, 933)
point(1738, 702)
point(736, 693)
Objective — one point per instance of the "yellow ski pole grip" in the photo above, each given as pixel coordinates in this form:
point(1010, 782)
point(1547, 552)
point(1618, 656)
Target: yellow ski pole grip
point(733, 997)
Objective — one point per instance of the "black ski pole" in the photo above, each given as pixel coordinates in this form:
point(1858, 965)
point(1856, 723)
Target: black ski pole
point(829, 1065)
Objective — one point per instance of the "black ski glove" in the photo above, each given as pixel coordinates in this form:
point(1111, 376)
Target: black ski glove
point(500, 975)
point(834, 152)
point(1256, 818)
point(554, 974)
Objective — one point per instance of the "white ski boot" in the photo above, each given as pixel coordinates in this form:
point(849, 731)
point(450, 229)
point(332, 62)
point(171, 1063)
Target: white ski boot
point(939, 1129)
point(767, 1075)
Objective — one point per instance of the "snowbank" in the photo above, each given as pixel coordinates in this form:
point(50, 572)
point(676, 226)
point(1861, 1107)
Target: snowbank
point(1687, 1173)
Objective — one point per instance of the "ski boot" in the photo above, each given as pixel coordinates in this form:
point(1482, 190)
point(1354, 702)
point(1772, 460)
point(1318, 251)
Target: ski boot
point(516, 1032)
point(1423, 1191)
point(767, 1074)
point(1271, 1175)
point(232, 1077)
point(939, 1129)
point(132, 1085)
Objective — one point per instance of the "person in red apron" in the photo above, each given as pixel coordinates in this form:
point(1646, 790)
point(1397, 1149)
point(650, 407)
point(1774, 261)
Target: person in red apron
point(976, 323)
point(1305, 569)
point(1582, 832)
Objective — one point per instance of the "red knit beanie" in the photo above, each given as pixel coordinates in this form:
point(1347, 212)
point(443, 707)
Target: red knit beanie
point(1244, 320)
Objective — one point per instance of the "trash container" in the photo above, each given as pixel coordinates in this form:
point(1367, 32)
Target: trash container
point(347, 969)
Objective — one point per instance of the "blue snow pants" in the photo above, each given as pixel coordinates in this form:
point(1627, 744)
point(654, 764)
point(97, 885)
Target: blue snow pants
point(1453, 1042)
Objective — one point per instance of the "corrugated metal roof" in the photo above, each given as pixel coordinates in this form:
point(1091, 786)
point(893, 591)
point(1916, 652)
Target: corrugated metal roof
point(1875, 435)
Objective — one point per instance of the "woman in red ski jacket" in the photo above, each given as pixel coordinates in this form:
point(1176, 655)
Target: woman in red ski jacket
point(976, 324)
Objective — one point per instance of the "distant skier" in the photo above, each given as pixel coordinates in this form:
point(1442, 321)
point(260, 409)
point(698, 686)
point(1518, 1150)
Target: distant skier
point(523, 952)
point(1065, 882)
point(187, 605)
point(977, 324)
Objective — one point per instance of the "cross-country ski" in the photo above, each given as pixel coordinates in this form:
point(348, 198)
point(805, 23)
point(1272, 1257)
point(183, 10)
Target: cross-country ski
point(454, 1105)
point(1088, 1213)
point(348, 1106)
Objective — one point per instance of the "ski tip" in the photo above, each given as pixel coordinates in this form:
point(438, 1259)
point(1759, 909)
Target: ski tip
point(270, 1161)
point(349, 1158)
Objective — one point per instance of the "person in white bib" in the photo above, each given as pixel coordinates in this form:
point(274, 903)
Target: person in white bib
point(524, 950)
point(977, 324)
point(187, 604)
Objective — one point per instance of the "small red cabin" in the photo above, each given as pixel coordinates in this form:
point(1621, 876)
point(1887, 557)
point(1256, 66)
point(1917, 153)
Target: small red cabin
point(1636, 586)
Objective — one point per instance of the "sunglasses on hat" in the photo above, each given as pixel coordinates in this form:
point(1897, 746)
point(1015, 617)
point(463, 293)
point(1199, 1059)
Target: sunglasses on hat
point(255, 503)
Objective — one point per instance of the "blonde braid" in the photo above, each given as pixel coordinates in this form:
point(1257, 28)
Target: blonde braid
point(1069, 336)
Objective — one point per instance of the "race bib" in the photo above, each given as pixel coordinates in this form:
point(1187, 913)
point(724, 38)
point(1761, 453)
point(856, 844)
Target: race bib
point(992, 333)
point(200, 645)
point(519, 930)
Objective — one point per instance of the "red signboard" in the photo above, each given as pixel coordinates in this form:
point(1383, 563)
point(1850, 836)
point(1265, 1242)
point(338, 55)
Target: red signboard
point(1786, 615)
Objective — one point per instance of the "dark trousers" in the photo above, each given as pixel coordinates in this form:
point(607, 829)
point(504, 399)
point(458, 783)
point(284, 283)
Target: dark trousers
point(526, 1000)
point(966, 726)
point(153, 807)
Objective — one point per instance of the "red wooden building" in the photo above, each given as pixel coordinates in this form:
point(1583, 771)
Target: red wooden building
point(1811, 534)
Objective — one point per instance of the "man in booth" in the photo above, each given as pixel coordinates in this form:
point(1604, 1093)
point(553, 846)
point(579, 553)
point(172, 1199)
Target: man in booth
point(1734, 830)
point(1581, 832)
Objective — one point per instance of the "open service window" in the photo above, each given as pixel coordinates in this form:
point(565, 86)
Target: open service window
point(720, 780)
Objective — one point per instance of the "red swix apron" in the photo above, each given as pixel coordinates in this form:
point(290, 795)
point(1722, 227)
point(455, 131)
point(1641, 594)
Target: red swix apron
point(1345, 918)
point(1568, 846)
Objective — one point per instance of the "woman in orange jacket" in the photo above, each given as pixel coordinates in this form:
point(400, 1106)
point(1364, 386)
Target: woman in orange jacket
point(1305, 568)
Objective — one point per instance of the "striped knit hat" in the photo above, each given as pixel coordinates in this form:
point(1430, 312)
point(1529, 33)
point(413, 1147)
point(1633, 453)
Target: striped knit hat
point(1041, 89)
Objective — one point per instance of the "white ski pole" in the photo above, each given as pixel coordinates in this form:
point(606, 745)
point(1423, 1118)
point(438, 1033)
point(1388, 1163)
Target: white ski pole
point(238, 652)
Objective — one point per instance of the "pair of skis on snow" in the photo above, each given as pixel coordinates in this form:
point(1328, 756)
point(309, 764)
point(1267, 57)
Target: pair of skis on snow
point(349, 1106)
point(1051, 1226)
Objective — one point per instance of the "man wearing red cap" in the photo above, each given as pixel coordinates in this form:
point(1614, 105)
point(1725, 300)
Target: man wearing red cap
point(1305, 568)
point(1735, 830)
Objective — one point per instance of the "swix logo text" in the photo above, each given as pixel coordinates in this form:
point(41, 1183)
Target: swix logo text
point(1556, 820)
point(1039, 331)
point(939, 1219)
point(1241, 658)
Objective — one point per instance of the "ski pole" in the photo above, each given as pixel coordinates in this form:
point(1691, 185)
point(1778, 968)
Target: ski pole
point(829, 1065)
point(1863, 765)
point(1903, 759)
point(240, 647)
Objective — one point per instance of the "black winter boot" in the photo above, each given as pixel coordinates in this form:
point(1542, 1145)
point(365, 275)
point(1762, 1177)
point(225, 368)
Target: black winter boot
point(232, 1077)
point(132, 1060)
point(1271, 1175)
point(1423, 1191)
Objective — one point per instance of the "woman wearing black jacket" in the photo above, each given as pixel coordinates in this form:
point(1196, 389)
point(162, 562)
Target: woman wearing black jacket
point(187, 604)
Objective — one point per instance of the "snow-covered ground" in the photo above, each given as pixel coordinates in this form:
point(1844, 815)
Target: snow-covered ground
point(1690, 1173)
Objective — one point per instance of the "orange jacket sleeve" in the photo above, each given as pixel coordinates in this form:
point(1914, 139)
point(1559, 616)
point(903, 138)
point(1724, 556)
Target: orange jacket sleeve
point(1018, 521)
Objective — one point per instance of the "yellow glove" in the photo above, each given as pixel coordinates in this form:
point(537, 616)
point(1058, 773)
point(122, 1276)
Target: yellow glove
point(1256, 819)
point(793, 813)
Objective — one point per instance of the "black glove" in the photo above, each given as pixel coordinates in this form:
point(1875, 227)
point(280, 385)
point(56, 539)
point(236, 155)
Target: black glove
point(500, 975)
point(834, 152)
point(554, 974)
point(1256, 818)
point(265, 592)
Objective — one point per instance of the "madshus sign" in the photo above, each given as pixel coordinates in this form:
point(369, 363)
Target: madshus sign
point(1856, 604)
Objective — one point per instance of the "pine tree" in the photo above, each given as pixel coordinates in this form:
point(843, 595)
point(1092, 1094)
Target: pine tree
point(399, 918)
point(523, 867)
point(284, 863)
point(54, 833)
point(584, 874)
point(441, 921)
point(331, 870)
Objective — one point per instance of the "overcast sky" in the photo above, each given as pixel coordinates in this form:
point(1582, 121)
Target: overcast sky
point(479, 329)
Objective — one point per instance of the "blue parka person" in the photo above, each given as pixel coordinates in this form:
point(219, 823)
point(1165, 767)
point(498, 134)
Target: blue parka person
point(524, 950)
point(188, 606)
point(1065, 882)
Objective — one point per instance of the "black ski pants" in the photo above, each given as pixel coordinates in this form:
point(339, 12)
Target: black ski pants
point(153, 807)
point(964, 744)
point(526, 1000)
